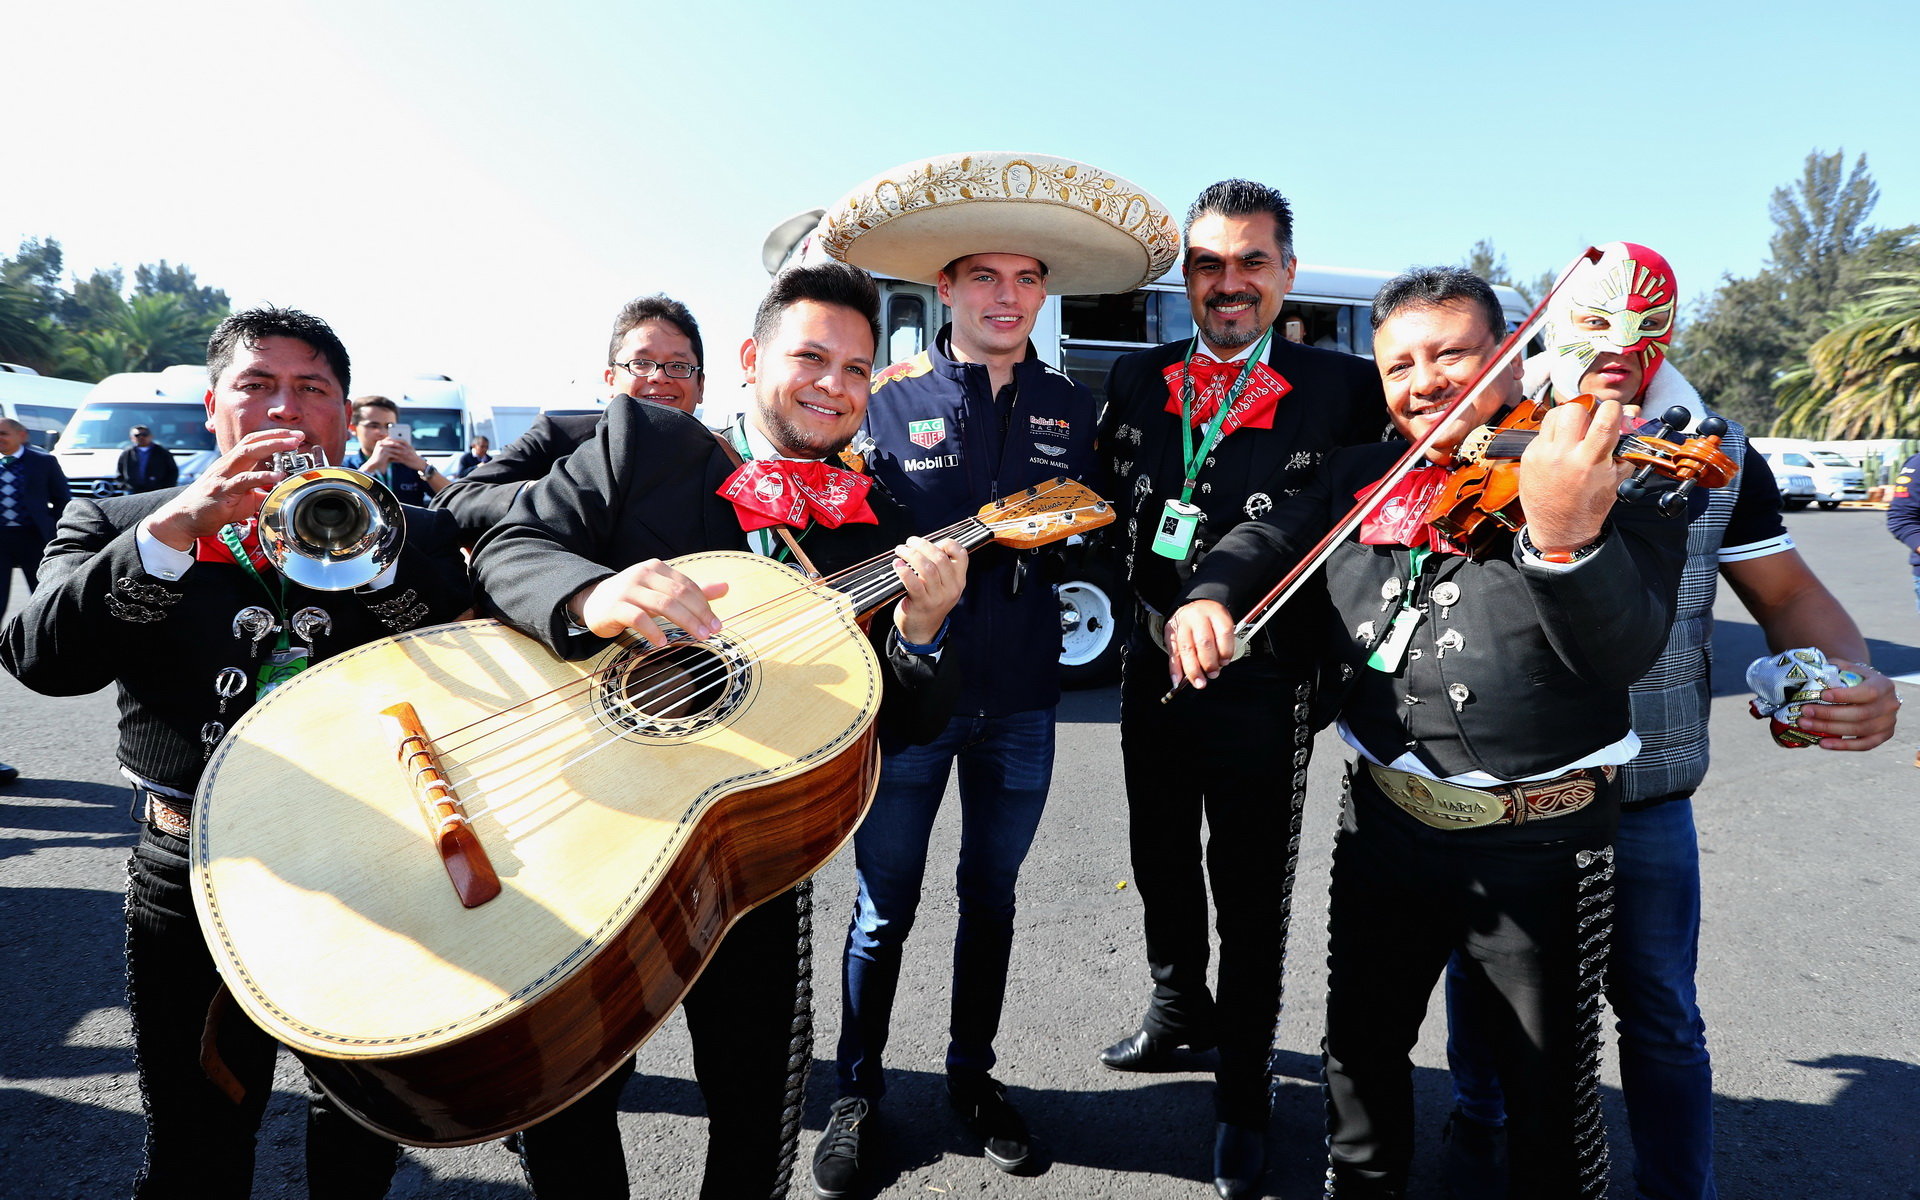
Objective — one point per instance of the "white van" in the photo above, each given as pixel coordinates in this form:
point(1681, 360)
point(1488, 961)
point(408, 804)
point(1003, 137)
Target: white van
point(436, 408)
point(171, 402)
point(40, 402)
point(1835, 478)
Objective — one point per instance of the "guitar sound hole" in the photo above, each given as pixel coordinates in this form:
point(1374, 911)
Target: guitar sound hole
point(675, 690)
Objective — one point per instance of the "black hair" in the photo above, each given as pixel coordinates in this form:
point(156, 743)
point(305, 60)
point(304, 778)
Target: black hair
point(1244, 198)
point(661, 307)
point(1429, 287)
point(822, 283)
point(248, 329)
point(360, 402)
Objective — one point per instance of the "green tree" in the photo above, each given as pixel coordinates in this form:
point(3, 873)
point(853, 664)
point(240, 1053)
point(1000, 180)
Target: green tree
point(1861, 379)
point(1749, 337)
point(155, 279)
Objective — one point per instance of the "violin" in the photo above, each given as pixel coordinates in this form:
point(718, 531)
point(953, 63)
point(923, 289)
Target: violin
point(1481, 497)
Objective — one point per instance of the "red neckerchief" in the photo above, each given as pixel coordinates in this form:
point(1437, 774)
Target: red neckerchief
point(211, 549)
point(1211, 379)
point(1401, 518)
point(785, 491)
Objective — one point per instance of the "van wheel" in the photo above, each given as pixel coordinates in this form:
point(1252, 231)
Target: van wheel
point(1095, 620)
point(1794, 505)
point(1829, 505)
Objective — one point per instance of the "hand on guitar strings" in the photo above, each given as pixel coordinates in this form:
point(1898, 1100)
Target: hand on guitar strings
point(642, 592)
point(1199, 642)
point(934, 574)
point(230, 490)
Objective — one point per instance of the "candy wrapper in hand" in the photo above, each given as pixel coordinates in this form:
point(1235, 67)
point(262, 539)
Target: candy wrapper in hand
point(1784, 684)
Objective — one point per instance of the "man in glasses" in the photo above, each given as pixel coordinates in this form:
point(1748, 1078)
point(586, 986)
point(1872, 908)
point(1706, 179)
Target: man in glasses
point(654, 355)
point(145, 466)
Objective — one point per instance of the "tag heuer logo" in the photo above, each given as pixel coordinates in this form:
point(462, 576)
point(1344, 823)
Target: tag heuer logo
point(927, 434)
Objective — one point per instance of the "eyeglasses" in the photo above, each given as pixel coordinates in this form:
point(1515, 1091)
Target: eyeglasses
point(644, 368)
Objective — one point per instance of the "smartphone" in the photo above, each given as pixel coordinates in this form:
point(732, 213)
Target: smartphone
point(401, 432)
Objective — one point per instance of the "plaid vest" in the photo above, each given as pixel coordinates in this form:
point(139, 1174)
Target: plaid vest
point(1671, 701)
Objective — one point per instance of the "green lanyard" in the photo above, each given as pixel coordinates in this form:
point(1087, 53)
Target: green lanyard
point(765, 542)
point(1196, 455)
point(1387, 654)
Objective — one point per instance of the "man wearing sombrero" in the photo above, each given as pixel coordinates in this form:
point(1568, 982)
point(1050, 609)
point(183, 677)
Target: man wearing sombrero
point(975, 416)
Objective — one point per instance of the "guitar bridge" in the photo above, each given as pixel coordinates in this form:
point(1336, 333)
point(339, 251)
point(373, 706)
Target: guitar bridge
point(474, 879)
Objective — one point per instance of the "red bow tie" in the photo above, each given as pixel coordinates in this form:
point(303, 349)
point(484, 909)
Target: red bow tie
point(785, 491)
point(1401, 518)
point(1254, 408)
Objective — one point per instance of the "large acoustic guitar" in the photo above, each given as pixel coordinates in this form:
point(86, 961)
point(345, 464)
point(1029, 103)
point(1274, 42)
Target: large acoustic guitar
point(464, 879)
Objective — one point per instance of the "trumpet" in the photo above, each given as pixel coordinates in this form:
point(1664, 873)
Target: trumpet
point(329, 528)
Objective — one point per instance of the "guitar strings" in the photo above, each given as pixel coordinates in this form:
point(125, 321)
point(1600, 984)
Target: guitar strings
point(868, 591)
point(865, 584)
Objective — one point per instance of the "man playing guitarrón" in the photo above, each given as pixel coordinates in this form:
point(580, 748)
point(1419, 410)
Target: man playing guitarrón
point(579, 558)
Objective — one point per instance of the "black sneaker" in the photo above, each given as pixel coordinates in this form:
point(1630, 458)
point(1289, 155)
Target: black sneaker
point(836, 1161)
point(983, 1105)
point(1472, 1165)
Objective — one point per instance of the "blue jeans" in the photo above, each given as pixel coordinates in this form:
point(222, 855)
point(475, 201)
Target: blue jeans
point(1664, 1068)
point(1006, 764)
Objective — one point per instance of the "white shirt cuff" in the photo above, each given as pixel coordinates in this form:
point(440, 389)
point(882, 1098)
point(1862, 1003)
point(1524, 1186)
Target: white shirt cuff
point(159, 559)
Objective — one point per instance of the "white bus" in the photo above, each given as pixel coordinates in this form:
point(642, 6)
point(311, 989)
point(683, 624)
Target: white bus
point(40, 402)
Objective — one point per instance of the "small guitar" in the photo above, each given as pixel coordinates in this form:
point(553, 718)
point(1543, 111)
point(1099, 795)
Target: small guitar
point(463, 879)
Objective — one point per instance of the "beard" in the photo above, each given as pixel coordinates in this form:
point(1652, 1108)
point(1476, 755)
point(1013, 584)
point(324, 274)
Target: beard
point(1230, 339)
point(793, 441)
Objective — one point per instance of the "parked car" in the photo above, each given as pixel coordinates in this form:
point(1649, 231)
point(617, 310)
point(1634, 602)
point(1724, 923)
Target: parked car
point(1835, 478)
point(1796, 490)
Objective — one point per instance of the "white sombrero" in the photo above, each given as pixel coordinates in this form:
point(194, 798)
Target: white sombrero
point(1096, 232)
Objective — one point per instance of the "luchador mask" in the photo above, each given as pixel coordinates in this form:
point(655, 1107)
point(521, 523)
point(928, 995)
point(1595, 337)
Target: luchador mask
point(1624, 303)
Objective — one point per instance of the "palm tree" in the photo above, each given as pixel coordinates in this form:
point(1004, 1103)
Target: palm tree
point(1862, 378)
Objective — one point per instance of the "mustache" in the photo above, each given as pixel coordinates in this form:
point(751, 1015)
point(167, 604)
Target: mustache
point(1232, 298)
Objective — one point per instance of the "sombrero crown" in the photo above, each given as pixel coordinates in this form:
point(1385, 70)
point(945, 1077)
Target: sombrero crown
point(1095, 231)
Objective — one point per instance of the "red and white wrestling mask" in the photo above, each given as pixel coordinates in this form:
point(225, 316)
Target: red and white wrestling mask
point(1621, 305)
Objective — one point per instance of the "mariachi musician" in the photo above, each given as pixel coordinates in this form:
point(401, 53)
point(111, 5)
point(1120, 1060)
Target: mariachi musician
point(1485, 699)
point(578, 559)
point(169, 595)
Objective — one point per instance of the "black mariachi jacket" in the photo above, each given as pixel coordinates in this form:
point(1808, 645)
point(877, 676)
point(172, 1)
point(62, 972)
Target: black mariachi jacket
point(99, 618)
point(1513, 669)
point(1335, 400)
point(945, 446)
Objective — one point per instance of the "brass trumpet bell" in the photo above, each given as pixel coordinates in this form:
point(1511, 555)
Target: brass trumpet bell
point(331, 528)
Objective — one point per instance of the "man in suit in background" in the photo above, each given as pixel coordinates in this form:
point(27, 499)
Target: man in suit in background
point(1207, 432)
point(146, 466)
point(655, 326)
point(33, 490)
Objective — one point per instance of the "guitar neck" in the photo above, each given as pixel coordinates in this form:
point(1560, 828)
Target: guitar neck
point(874, 584)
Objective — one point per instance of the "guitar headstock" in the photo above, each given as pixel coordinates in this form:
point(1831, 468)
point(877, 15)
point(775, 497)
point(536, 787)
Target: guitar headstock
point(1045, 512)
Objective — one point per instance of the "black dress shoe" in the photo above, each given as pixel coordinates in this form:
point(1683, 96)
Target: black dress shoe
point(1239, 1160)
point(1145, 1052)
point(1472, 1159)
point(8, 774)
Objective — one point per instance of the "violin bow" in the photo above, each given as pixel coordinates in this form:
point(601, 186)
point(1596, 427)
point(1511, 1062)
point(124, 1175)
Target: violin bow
point(1263, 611)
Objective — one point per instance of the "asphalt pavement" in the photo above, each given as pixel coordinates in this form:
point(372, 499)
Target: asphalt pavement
point(1810, 973)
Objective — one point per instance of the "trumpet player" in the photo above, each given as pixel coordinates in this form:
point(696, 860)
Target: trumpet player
point(182, 572)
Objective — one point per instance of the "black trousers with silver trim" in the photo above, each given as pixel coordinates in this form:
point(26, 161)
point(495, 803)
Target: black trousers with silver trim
point(1530, 909)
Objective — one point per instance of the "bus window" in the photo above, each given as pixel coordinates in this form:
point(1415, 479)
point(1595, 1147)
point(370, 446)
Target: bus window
point(1121, 318)
point(906, 326)
point(1173, 318)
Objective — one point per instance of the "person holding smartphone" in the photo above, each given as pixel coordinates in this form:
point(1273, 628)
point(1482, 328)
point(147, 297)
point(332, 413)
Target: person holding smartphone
point(386, 452)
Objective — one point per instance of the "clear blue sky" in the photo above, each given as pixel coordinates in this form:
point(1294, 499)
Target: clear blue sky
point(476, 188)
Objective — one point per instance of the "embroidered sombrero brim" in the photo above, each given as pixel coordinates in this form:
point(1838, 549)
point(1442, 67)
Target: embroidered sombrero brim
point(1095, 231)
